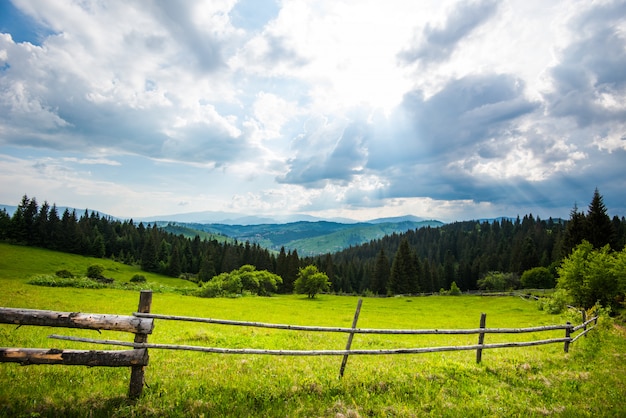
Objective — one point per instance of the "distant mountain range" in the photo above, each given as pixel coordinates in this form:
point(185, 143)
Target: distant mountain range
point(308, 238)
point(307, 234)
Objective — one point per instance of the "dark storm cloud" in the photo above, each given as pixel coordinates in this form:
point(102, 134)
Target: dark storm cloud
point(591, 67)
point(412, 148)
point(438, 43)
point(466, 112)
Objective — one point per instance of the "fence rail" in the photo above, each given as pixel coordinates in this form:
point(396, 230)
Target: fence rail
point(353, 330)
point(141, 324)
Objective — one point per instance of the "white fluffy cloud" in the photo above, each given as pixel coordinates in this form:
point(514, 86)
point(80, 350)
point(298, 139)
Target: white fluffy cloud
point(364, 108)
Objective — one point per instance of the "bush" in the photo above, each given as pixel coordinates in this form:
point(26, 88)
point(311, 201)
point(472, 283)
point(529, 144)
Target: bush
point(54, 281)
point(454, 290)
point(537, 278)
point(243, 281)
point(593, 275)
point(554, 304)
point(65, 274)
point(95, 271)
point(210, 289)
point(138, 278)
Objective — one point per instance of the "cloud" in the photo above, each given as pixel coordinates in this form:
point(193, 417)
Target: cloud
point(589, 82)
point(116, 79)
point(328, 150)
point(439, 43)
point(467, 111)
point(92, 161)
point(197, 39)
point(307, 104)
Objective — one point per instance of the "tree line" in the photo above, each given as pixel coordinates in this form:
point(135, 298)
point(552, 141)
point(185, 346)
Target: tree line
point(420, 260)
point(465, 253)
point(147, 245)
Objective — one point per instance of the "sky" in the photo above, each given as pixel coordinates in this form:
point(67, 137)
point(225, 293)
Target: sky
point(362, 109)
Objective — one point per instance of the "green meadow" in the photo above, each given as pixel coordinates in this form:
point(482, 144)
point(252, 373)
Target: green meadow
point(589, 381)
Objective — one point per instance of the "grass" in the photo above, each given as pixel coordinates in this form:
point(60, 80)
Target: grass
point(537, 381)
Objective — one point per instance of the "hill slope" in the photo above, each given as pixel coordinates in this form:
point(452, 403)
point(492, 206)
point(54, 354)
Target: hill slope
point(308, 238)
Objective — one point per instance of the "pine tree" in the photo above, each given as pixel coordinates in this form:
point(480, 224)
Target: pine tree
point(575, 230)
point(403, 279)
point(599, 228)
point(174, 263)
point(207, 268)
point(149, 260)
point(380, 278)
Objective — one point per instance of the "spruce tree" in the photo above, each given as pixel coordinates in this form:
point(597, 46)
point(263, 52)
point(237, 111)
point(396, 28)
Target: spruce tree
point(380, 278)
point(599, 228)
point(402, 278)
point(575, 230)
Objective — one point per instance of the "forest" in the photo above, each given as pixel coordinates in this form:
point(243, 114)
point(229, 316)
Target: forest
point(422, 260)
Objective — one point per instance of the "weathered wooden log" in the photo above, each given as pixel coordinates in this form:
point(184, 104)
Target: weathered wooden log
point(481, 337)
point(91, 358)
point(355, 330)
point(583, 333)
point(137, 379)
point(584, 324)
point(76, 320)
point(350, 337)
point(219, 350)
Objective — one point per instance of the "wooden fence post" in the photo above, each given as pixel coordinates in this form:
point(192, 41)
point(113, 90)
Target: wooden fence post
point(584, 321)
point(137, 372)
point(568, 331)
point(481, 337)
point(349, 343)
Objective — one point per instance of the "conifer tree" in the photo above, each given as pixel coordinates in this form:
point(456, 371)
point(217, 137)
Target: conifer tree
point(599, 228)
point(149, 260)
point(575, 230)
point(380, 278)
point(403, 279)
point(207, 268)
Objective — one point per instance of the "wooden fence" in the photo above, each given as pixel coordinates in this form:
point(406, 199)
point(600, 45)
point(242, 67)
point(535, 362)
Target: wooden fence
point(141, 324)
point(136, 359)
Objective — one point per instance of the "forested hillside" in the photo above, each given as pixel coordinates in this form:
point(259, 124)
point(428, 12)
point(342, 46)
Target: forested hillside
point(429, 259)
point(308, 238)
point(420, 260)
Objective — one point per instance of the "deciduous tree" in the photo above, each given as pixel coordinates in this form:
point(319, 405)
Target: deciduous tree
point(310, 281)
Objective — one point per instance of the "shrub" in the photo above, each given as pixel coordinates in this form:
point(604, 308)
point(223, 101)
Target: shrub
point(537, 278)
point(454, 290)
point(554, 304)
point(65, 274)
point(95, 271)
point(497, 281)
point(591, 275)
point(210, 289)
point(54, 281)
point(138, 278)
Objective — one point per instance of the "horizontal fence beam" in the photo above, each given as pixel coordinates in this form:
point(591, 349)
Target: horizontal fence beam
point(584, 324)
point(219, 350)
point(91, 358)
point(354, 330)
point(583, 333)
point(37, 317)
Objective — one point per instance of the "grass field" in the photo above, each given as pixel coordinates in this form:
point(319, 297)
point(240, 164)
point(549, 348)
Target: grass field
point(537, 381)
